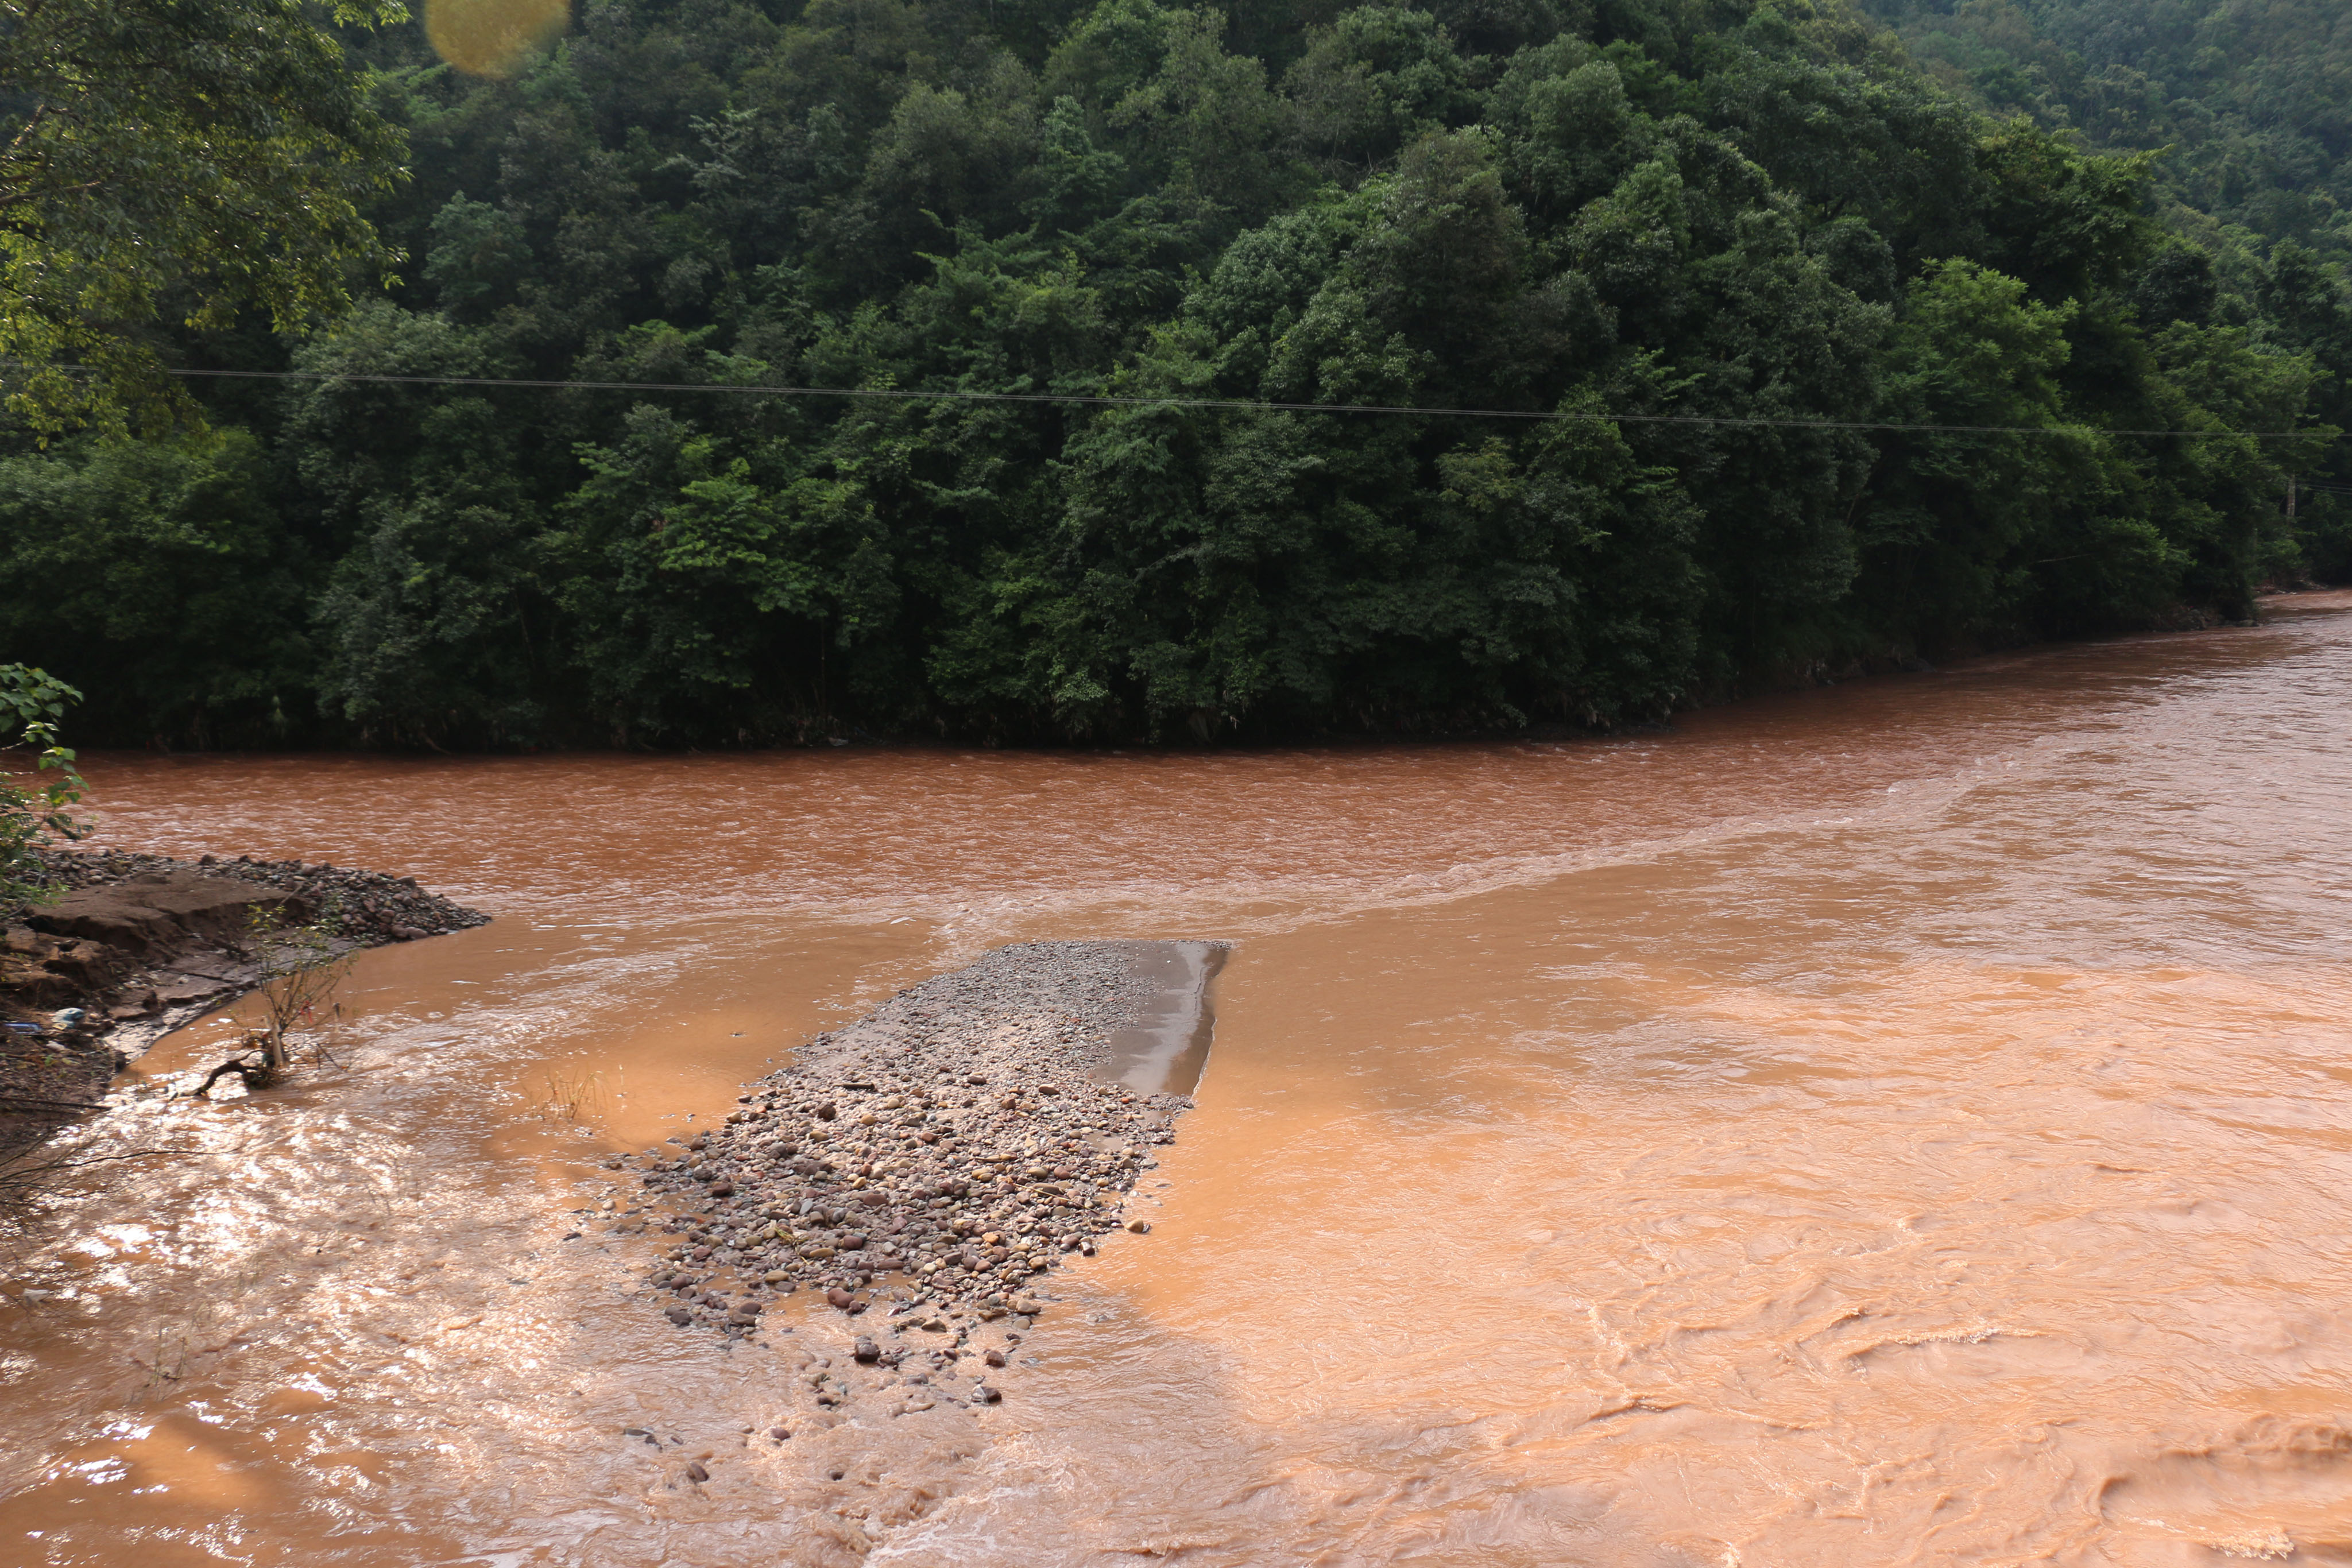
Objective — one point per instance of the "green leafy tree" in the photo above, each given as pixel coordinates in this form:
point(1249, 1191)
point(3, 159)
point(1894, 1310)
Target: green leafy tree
point(168, 576)
point(35, 808)
point(180, 159)
point(1952, 527)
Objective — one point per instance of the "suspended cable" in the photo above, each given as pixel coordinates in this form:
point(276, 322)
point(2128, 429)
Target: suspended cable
point(1245, 405)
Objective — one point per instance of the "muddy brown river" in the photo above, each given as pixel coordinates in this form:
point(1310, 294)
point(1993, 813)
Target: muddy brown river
point(1904, 1122)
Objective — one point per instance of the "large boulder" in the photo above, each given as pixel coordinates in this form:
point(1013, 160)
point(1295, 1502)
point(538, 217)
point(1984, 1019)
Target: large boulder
point(155, 916)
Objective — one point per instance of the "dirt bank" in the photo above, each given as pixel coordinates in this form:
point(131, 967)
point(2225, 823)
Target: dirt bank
point(139, 944)
point(942, 1153)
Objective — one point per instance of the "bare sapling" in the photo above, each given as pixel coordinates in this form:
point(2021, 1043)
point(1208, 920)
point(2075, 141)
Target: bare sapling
point(302, 967)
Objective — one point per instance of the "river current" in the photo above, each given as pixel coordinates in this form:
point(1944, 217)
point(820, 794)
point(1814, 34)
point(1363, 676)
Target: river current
point(1906, 1121)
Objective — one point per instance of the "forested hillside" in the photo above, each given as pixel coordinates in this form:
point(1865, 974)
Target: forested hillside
point(2252, 100)
point(1691, 230)
point(2245, 107)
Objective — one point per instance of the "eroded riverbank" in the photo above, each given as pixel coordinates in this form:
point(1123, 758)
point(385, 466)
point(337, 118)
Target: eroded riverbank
point(128, 946)
point(1899, 1122)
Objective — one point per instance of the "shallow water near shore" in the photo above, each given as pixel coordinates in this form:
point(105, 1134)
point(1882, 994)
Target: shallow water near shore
point(1899, 1123)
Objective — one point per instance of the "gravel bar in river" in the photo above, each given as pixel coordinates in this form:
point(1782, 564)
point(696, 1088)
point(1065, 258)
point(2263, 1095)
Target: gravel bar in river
point(962, 1139)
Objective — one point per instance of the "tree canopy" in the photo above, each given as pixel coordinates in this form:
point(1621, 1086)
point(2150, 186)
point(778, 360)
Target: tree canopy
point(183, 159)
point(1763, 282)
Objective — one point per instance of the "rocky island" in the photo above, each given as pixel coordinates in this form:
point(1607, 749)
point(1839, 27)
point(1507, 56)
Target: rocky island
point(942, 1153)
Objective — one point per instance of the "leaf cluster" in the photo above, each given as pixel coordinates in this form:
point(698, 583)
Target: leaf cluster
point(182, 159)
point(35, 807)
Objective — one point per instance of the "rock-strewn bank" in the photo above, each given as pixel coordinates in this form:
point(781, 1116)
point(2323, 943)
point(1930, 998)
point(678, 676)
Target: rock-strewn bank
point(367, 908)
point(948, 1149)
point(142, 942)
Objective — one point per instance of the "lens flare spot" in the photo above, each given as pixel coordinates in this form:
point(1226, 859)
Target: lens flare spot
point(493, 37)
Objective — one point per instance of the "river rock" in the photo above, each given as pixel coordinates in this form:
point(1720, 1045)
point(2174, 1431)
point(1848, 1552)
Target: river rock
point(962, 1123)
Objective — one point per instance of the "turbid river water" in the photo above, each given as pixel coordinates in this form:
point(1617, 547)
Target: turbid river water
point(1904, 1122)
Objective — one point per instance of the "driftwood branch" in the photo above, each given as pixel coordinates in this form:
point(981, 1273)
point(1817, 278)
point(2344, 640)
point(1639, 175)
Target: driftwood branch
point(255, 1073)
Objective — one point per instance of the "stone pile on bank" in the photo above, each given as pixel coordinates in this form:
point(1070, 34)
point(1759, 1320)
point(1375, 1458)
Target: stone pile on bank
point(367, 908)
point(955, 1143)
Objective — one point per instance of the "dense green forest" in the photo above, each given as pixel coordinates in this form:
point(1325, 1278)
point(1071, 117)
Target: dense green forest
point(1724, 243)
point(2250, 101)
